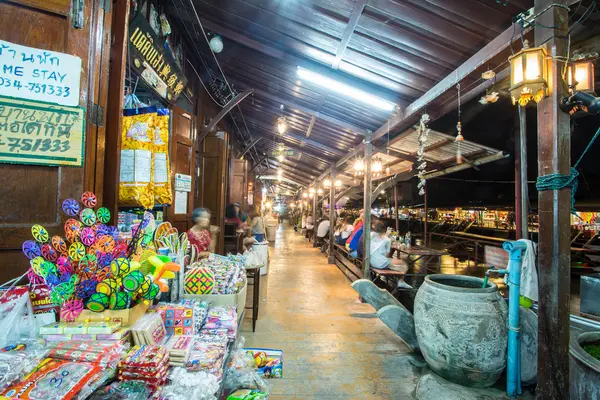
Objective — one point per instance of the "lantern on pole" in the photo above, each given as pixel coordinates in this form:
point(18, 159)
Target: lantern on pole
point(528, 75)
point(580, 73)
point(327, 183)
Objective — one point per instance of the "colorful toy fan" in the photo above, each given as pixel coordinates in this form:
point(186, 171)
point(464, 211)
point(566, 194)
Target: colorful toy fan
point(71, 309)
point(88, 236)
point(103, 215)
point(70, 207)
point(77, 251)
point(40, 234)
point(31, 249)
point(88, 216)
point(89, 199)
point(59, 244)
point(49, 252)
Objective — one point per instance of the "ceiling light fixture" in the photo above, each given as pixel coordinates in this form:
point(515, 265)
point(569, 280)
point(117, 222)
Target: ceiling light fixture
point(281, 122)
point(338, 184)
point(346, 90)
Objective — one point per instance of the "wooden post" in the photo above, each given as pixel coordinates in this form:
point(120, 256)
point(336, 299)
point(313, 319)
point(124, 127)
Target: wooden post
point(523, 173)
point(426, 217)
point(554, 256)
point(314, 214)
point(331, 259)
point(396, 208)
point(367, 206)
point(518, 211)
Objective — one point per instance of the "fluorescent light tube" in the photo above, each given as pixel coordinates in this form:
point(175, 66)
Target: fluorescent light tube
point(346, 90)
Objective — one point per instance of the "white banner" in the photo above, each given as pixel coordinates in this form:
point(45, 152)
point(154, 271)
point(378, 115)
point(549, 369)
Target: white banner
point(37, 74)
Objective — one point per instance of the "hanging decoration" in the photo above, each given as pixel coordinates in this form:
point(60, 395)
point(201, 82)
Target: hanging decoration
point(359, 167)
point(422, 133)
point(459, 137)
point(490, 95)
point(281, 122)
point(528, 75)
point(376, 167)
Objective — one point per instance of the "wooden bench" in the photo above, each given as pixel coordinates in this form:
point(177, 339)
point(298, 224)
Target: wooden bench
point(351, 267)
point(389, 277)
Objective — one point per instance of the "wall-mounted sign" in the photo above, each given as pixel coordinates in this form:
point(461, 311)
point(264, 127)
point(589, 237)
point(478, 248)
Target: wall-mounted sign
point(286, 153)
point(40, 133)
point(151, 59)
point(36, 74)
point(183, 183)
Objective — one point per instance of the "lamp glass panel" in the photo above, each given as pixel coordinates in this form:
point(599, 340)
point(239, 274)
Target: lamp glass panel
point(517, 70)
point(582, 76)
point(533, 68)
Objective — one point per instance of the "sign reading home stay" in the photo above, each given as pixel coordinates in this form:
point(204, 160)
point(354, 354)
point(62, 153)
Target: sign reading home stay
point(41, 75)
point(41, 133)
point(153, 61)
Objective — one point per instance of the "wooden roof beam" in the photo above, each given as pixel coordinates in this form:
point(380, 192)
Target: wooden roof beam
point(270, 138)
point(357, 11)
point(410, 115)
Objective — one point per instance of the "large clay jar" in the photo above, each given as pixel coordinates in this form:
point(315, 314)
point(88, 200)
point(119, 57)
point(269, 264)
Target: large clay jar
point(461, 329)
point(585, 369)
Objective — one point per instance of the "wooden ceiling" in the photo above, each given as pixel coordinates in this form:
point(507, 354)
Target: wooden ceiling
point(393, 49)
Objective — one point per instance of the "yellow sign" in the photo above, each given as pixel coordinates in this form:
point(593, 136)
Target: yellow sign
point(39, 133)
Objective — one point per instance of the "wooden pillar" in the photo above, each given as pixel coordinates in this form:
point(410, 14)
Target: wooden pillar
point(314, 214)
point(396, 208)
point(554, 256)
point(518, 211)
point(426, 216)
point(367, 206)
point(331, 259)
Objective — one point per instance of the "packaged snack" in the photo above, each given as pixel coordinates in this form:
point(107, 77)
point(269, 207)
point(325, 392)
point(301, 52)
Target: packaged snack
point(162, 168)
point(149, 329)
point(103, 353)
point(136, 185)
point(179, 347)
point(53, 379)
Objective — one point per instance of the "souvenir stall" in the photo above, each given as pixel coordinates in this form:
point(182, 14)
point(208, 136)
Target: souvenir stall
point(94, 322)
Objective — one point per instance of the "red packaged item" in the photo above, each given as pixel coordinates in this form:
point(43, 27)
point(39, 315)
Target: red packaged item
point(84, 351)
point(53, 379)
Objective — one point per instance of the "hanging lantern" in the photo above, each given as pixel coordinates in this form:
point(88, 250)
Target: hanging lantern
point(338, 184)
point(281, 125)
point(319, 191)
point(528, 74)
point(580, 73)
point(377, 167)
point(304, 195)
point(311, 190)
point(359, 166)
point(327, 183)
point(311, 195)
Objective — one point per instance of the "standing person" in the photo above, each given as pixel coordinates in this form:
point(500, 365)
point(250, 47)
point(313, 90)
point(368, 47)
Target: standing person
point(381, 246)
point(257, 225)
point(241, 215)
point(310, 227)
point(199, 234)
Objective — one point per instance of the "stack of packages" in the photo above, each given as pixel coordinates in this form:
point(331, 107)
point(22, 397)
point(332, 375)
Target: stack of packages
point(179, 347)
point(228, 273)
point(103, 353)
point(221, 321)
point(145, 363)
point(84, 331)
point(149, 329)
point(177, 317)
point(208, 353)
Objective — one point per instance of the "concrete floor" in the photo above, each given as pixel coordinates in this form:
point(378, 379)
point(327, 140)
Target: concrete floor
point(334, 346)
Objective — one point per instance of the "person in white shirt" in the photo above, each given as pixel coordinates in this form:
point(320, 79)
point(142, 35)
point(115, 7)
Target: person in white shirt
point(379, 250)
point(323, 228)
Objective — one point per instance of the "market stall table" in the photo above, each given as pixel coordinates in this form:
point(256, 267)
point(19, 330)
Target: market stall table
point(416, 253)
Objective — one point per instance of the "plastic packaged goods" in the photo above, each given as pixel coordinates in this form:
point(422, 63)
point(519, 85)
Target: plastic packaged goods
point(16, 319)
point(177, 317)
point(208, 354)
point(122, 390)
point(149, 329)
point(97, 381)
point(162, 167)
point(185, 385)
point(241, 373)
point(53, 379)
point(145, 363)
point(179, 347)
point(136, 183)
point(247, 394)
point(106, 354)
point(221, 320)
point(20, 361)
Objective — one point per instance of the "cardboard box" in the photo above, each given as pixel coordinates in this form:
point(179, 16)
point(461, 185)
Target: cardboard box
point(126, 317)
point(238, 299)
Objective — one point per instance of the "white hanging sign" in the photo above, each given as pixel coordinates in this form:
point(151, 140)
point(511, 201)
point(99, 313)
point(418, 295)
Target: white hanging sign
point(40, 75)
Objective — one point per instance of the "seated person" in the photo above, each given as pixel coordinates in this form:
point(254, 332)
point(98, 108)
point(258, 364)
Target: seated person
point(379, 250)
point(345, 230)
point(231, 217)
point(199, 235)
point(310, 227)
point(248, 239)
point(323, 229)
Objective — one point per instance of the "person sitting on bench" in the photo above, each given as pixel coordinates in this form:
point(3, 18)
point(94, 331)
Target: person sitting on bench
point(322, 230)
point(379, 250)
point(310, 227)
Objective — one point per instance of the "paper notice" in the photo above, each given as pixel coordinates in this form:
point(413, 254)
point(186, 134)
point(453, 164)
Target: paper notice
point(127, 166)
point(160, 168)
point(181, 200)
point(143, 165)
